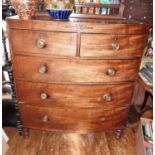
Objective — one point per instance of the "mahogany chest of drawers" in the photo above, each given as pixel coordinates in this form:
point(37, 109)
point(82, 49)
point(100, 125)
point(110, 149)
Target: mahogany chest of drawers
point(77, 75)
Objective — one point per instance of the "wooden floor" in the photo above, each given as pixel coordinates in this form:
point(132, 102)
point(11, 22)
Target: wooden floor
point(47, 143)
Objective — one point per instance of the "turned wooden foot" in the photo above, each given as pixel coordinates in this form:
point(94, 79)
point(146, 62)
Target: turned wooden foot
point(118, 133)
point(25, 132)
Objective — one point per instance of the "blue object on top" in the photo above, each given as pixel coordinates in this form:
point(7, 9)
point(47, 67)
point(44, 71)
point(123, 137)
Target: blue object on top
point(60, 13)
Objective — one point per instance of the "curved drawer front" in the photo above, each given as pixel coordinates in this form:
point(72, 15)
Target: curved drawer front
point(114, 46)
point(78, 71)
point(72, 119)
point(41, 94)
point(43, 43)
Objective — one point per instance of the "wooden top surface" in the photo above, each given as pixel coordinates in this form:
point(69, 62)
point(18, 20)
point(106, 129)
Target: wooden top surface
point(85, 24)
point(89, 18)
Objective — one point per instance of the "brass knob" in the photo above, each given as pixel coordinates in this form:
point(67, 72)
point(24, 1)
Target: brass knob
point(102, 119)
point(45, 118)
point(43, 96)
point(41, 43)
point(115, 45)
point(42, 69)
point(111, 71)
point(107, 97)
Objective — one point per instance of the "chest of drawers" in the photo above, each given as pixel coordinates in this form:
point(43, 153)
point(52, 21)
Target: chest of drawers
point(77, 75)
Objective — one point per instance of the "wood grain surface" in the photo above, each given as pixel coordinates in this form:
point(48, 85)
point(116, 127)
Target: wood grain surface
point(48, 143)
point(81, 120)
point(63, 95)
point(67, 75)
point(56, 43)
point(74, 71)
point(100, 45)
point(79, 25)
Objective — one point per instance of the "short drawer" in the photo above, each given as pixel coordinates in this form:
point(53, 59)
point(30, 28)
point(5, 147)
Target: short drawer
point(43, 43)
point(114, 46)
point(68, 119)
point(57, 95)
point(74, 70)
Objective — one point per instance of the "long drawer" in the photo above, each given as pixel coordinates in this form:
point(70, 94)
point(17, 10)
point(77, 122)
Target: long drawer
point(74, 70)
point(43, 43)
point(114, 46)
point(67, 119)
point(57, 95)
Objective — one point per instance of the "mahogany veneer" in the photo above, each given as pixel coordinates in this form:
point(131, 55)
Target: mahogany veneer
point(56, 42)
point(94, 45)
point(74, 71)
point(73, 119)
point(70, 95)
point(76, 75)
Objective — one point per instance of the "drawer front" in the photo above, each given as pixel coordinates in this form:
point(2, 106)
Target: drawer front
point(56, 95)
point(73, 70)
point(120, 46)
point(43, 43)
point(72, 119)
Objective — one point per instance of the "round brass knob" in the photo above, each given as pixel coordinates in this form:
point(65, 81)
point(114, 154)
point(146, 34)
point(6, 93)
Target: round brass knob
point(107, 97)
point(102, 119)
point(45, 118)
point(111, 71)
point(43, 96)
point(115, 45)
point(42, 69)
point(41, 43)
